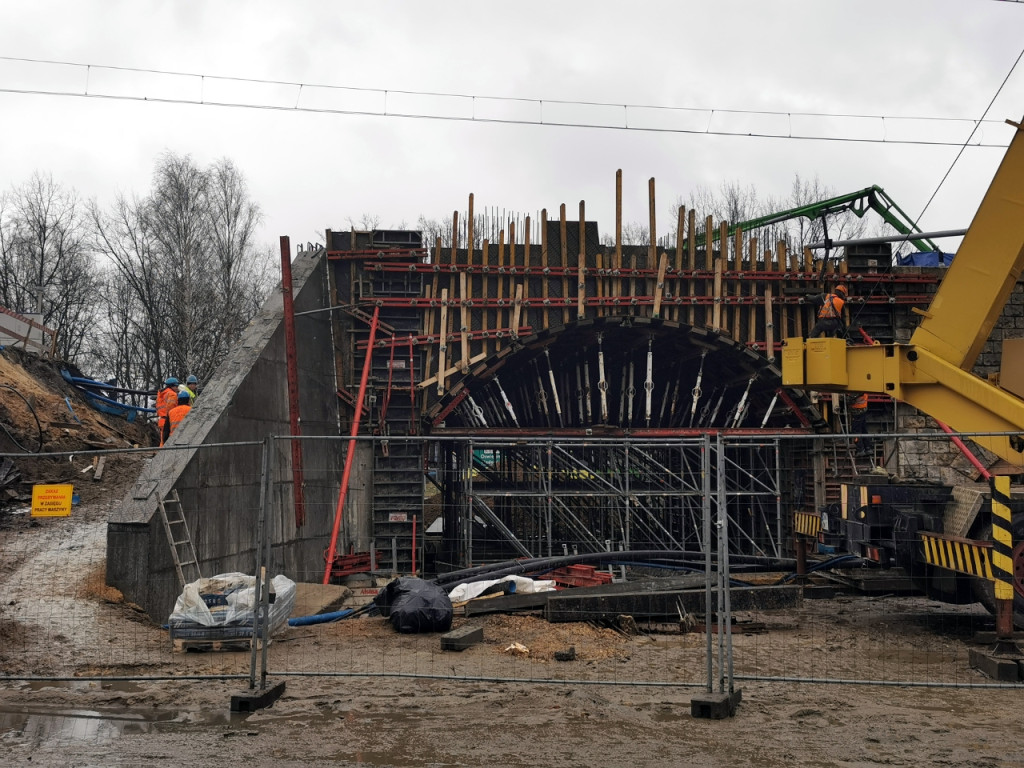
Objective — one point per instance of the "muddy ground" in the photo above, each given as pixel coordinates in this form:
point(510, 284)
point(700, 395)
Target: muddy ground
point(624, 701)
point(357, 693)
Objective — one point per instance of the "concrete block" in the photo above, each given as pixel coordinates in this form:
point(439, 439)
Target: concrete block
point(250, 702)
point(715, 706)
point(462, 638)
point(1000, 668)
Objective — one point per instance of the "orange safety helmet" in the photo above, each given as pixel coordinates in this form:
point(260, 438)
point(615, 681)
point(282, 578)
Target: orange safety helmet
point(841, 289)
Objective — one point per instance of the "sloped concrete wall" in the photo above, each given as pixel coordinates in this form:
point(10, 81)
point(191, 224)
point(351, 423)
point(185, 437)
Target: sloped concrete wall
point(219, 485)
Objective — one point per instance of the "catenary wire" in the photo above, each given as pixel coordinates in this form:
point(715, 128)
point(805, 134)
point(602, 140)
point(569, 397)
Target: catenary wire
point(506, 121)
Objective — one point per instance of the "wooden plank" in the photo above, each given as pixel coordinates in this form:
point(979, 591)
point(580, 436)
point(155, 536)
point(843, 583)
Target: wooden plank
point(752, 309)
point(691, 242)
point(737, 283)
point(527, 262)
point(720, 285)
point(769, 323)
point(443, 346)
point(465, 297)
point(778, 265)
point(500, 315)
point(563, 254)
point(652, 246)
point(581, 285)
point(680, 238)
point(451, 371)
point(485, 285)
point(544, 266)
point(517, 310)
point(577, 605)
point(706, 288)
point(716, 322)
point(100, 466)
point(659, 288)
point(618, 232)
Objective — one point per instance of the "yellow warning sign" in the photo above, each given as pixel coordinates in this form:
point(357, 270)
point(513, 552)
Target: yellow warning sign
point(51, 500)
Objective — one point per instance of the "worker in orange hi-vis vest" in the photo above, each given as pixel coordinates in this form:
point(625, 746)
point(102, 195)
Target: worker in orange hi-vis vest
point(174, 416)
point(830, 313)
point(166, 399)
point(859, 424)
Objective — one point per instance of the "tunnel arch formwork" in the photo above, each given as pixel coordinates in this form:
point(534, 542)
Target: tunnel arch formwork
point(553, 342)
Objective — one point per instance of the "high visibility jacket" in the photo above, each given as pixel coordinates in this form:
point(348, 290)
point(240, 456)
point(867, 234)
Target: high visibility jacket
point(166, 399)
point(191, 392)
point(861, 402)
point(175, 415)
point(832, 306)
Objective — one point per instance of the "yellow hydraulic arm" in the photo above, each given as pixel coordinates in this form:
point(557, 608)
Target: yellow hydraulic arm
point(932, 371)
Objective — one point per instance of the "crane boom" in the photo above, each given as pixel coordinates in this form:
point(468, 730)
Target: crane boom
point(932, 371)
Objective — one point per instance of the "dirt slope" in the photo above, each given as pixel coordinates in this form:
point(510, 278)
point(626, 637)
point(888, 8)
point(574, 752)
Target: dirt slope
point(41, 414)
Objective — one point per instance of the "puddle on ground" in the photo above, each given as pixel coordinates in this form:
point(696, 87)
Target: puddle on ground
point(47, 728)
point(43, 725)
point(123, 686)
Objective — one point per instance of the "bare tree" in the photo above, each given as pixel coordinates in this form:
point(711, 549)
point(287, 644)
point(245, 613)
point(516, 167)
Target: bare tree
point(45, 263)
point(188, 256)
point(139, 303)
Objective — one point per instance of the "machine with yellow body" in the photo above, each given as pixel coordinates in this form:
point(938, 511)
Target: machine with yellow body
point(932, 372)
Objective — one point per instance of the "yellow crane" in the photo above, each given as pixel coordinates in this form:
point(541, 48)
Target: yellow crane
point(932, 371)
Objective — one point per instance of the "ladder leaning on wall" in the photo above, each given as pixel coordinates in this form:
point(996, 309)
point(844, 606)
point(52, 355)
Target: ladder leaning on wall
point(182, 551)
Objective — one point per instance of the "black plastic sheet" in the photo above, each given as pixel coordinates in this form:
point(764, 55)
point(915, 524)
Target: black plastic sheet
point(414, 605)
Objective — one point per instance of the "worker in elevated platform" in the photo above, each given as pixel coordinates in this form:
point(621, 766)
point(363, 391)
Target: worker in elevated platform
point(166, 399)
point(830, 313)
point(175, 416)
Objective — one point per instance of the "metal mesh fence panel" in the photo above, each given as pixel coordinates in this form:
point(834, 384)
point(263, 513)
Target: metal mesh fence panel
point(891, 571)
point(90, 578)
point(549, 516)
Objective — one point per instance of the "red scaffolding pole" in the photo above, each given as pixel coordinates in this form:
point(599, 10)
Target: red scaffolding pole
point(350, 455)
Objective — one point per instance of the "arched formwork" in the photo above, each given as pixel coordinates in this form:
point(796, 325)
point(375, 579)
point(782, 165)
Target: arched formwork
point(595, 437)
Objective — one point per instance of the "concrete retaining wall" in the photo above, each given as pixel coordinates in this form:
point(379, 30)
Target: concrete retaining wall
point(246, 400)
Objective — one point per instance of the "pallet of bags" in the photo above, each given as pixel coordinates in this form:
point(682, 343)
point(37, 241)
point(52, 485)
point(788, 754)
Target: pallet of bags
point(217, 613)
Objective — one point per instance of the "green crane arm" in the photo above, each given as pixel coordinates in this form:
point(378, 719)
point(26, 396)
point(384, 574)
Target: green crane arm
point(860, 202)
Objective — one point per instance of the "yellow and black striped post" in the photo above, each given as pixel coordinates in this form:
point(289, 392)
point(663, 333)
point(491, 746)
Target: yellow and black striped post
point(1002, 556)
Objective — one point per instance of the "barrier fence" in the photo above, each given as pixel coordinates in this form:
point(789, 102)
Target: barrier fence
point(836, 573)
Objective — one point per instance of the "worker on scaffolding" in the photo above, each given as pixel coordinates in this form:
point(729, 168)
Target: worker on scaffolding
point(175, 416)
point(859, 425)
point(166, 399)
point(830, 313)
point(191, 386)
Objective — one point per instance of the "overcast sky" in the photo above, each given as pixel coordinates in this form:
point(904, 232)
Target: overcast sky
point(312, 167)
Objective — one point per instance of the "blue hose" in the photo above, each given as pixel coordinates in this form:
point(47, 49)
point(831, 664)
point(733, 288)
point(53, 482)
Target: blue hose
point(320, 618)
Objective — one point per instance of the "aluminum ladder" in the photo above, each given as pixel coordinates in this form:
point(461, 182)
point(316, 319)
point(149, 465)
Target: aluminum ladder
point(182, 551)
